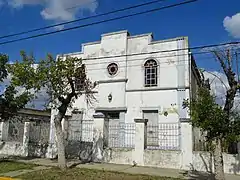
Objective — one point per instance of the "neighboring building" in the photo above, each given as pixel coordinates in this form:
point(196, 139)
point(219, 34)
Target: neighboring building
point(138, 78)
point(26, 133)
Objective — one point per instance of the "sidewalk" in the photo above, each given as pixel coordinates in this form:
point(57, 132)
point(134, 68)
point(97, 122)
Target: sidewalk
point(174, 173)
point(23, 171)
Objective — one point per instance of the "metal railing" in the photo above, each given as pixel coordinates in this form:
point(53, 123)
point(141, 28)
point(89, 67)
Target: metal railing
point(164, 136)
point(80, 130)
point(121, 135)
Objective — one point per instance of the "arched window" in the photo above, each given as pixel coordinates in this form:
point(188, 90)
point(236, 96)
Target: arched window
point(80, 77)
point(151, 73)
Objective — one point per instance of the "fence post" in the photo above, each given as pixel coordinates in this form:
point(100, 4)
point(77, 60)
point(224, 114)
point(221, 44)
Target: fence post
point(4, 130)
point(26, 138)
point(186, 144)
point(140, 141)
point(98, 137)
point(1, 130)
point(52, 142)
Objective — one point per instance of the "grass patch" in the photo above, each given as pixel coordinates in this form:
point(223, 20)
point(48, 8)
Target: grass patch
point(7, 166)
point(86, 174)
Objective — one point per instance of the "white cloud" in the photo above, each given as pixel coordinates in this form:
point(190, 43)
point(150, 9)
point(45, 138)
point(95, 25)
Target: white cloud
point(57, 10)
point(232, 25)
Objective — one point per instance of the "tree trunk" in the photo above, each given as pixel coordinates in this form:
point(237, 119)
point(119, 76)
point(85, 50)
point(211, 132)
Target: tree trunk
point(60, 143)
point(238, 148)
point(218, 161)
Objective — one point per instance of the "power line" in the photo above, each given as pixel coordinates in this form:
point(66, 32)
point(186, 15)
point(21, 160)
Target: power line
point(99, 22)
point(131, 60)
point(139, 65)
point(138, 59)
point(81, 19)
point(160, 51)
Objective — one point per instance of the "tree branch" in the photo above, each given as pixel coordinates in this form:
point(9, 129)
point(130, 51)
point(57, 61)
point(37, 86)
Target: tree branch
point(219, 58)
point(229, 59)
point(70, 80)
point(231, 92)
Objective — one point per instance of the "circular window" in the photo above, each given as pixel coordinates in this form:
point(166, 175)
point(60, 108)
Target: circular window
point(112, 69)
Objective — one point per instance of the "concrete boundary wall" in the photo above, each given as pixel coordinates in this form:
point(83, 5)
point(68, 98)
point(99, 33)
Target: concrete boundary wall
point(184, 158)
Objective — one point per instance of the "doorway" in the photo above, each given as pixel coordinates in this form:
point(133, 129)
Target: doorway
point(152, 128)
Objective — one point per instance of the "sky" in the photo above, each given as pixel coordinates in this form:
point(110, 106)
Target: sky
point(204, 22)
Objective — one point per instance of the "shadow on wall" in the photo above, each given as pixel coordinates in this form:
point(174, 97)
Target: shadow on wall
point(236, 166)
point(2, 144)
point(208, 164)
point(37, 149)
point(85, 151)
point(193, 174)
point(234, 149)
point(79, 150)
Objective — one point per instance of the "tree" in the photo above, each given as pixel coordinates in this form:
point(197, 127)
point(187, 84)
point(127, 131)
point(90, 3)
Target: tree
point(59, 78)
point(220, 123)
point(11, 99)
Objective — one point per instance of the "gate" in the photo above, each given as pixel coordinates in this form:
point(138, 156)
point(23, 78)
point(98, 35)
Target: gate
point(79, 139)
point(39, 138)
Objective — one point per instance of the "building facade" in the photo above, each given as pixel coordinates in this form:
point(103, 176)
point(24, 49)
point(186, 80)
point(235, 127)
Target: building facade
point(138, 78)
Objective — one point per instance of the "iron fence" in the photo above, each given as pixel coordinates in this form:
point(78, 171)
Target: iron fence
point(79, 137)
point(39, 132)
point(87, 131)
point(80, 130)
point(164, 136)
point(16, 129)
point(121, 135)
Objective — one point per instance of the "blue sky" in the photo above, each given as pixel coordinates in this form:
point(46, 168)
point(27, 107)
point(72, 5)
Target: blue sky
point(201, 21)
point(204, 22)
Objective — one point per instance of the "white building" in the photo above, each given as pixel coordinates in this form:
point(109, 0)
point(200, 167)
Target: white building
point(138, 78)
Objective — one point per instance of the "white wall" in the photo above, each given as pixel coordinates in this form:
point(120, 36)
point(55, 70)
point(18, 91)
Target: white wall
point(162, 159)
point(202, 161)
point(160, 100)
point(132, 94)
point(119, 156)
point(12, 149)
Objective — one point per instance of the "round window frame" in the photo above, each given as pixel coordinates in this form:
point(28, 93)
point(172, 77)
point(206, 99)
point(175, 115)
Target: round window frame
point(111, 74)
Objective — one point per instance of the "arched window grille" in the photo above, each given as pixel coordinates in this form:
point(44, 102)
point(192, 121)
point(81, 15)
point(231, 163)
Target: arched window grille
point(151, 73)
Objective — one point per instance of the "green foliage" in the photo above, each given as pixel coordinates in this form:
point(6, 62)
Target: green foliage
point(210, 117)
point(3, 67)
point(11, 100)
point(56, 76)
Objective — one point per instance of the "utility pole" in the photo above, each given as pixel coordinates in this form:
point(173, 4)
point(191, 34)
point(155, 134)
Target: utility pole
point(237, 71)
